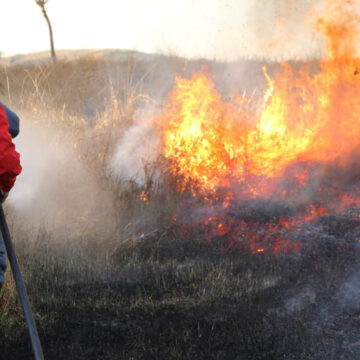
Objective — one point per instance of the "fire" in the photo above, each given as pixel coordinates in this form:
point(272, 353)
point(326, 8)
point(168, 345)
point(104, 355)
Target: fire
point(144, 197)
point(305, 118)
point(203, 138)
point(309, 115)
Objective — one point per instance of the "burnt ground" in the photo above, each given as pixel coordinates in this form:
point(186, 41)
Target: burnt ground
point(163, 296)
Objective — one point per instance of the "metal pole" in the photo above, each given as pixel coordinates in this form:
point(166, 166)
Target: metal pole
point(34, 337)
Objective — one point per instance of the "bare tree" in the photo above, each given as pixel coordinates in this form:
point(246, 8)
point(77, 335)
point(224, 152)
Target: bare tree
point(42, 3)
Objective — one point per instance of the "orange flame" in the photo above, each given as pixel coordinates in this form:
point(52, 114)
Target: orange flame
point(222, 151)
point(306, 115)
point(202, 137)
point(144, 197)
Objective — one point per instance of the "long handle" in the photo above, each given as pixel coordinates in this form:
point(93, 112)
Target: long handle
point(34, 337)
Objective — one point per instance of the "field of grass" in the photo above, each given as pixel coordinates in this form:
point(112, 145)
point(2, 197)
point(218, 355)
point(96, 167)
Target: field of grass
point(163, 296)
point(141, 287)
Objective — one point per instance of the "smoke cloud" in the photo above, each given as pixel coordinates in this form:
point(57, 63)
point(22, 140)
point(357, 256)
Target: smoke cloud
point(137, 150)
point(55, 188)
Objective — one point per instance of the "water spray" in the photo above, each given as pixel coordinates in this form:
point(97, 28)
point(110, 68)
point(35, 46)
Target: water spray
point(29, 318)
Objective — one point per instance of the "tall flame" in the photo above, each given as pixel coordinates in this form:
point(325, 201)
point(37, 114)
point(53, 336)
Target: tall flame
point(307, 116)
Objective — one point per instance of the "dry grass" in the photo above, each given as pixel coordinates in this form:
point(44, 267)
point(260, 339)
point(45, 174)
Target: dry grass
point(149, 289)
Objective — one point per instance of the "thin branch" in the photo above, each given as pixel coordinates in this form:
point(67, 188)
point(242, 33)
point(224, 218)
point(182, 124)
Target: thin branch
point(41, 4)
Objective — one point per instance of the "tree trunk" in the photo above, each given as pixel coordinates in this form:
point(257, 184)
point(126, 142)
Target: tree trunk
point(53, 55)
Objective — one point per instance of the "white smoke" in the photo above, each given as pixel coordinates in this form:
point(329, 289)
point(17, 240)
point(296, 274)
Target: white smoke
point(55, 188)
point(138, 150)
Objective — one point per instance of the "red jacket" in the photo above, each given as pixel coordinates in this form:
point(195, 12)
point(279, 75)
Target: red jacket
point(9, 159)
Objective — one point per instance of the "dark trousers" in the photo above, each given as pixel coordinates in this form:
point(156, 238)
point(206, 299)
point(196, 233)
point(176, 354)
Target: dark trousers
point(2, 261)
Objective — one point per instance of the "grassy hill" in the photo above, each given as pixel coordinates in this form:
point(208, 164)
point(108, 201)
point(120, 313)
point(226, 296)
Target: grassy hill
point(69, 55)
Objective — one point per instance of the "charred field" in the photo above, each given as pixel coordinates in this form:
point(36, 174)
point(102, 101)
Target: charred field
point(122, 263)
point(164, 295)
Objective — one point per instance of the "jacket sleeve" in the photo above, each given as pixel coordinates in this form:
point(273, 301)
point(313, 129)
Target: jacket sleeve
point(9, 159)
point(13, 120)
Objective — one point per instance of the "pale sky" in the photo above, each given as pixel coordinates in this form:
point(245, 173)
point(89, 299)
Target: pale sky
point(219, 29)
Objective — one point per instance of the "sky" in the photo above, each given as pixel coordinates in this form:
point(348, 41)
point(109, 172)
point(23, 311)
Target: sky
point(216, 29)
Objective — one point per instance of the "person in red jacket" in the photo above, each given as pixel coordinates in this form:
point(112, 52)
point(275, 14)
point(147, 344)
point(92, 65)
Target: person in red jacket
point(9, 166)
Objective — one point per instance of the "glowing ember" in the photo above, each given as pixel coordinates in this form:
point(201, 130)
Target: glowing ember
point(144, 197)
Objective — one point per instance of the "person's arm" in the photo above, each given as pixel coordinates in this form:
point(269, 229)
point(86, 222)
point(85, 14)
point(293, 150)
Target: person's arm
point(13, 120)
point(9, 159)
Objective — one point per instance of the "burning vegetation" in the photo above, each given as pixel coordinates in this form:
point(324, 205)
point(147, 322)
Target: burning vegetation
point(285, 153)
point(182, 217)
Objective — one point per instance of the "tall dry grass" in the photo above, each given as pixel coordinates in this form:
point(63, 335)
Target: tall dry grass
point(91, 102)
point(144, 290)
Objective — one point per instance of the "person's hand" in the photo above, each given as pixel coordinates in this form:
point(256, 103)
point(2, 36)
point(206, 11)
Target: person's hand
point(3, 196)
